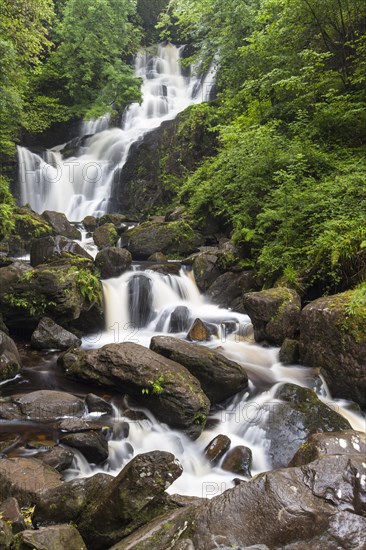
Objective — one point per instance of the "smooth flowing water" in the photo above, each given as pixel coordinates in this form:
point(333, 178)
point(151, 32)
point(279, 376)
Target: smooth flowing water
point(81, 185)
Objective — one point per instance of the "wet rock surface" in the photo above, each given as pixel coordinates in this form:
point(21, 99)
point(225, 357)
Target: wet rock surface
point(61, 225)
point(216, 449)
point(113, 261)
point(10, 362)
point(50, 248)
point(56, 537)
point(219, 377)
point(50, 335)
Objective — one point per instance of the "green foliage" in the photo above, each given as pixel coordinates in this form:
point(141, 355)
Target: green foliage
point(156, 386)
point(89, 285)
point(30, 302)
point(6, 209)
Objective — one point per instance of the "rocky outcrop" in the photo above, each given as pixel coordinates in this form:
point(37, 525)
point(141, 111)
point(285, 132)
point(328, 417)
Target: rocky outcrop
point(49, 335)
point(105, 235)
point(172, 238)
point(288, 421)
point(28, 226)
point(163, 386)
point(227, 290)
point(219, 377)
point(275, 314)
point(50, 248)
point(113, 261)
point(61, 225)
point(10, 362)
point(157, 164)
point(333, 338)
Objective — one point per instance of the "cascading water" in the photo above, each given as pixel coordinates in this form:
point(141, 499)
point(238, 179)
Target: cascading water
point(141, 304)
point(81, 185)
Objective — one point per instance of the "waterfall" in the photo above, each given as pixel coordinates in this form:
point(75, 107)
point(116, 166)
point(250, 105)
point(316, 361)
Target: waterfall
point(81, 186)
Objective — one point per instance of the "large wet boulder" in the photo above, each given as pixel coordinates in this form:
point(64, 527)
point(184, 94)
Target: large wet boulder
point(333, 338)
point(219, 377)
point(163, 386)
point(49, 335)
point(238, 461)
point(140, 300)
point(61, 225)
point(180, 319)
point(170, 238)
point(11, 274)
point(28, 226)
point(91, 444)
point(206, 268)
point(113, 261)
point(320, 505)
point(90, 223)
point(63, 291)
point(227, 290)
point(55, 537)
point(128, 497)
point(216, 449)
point(335, 443)
point(275, 314)
point(10, 362)
point(294, 415)
point(26, 478)
point(50, 248)
point(105, 235)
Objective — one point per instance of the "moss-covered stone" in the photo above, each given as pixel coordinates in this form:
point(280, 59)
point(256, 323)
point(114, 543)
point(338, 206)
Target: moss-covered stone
point(28, 226)
point(105, 235)
point(333, 338)
point(176, 239)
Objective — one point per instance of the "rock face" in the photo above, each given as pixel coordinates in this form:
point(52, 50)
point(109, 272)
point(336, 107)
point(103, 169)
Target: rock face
point(91, 444)
point(275, 314)
point(165, 387)
point(10, 362)
point(113, 261)
point(127, 497)
point(55, 537)
point(158, 163)
point(61, 225)
point(46, 405)
point(26, 478)
point(174, 238)
point(289, 422)
point(105, 235)
point(334, 340)
point(49, 335)
point(50, 248)
point(219, 377)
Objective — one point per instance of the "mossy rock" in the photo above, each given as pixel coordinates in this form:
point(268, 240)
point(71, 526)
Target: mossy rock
point(176, 239)
point(333, 338)
point(28, 226)
point(105, 235)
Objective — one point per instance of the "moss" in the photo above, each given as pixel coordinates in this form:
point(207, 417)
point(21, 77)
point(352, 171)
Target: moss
point(29, 302)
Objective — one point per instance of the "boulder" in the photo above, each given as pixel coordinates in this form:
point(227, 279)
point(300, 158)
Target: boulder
point(48, 405)
point(140, 300)
point(11, 274)
point(113, 261)
point(275, 314)
point(333, 338)
point(90, 443)
point(157, 257)
point(288, 422)
point(58, 458)
point(227, 290)
point(66, 502)
point(163, 386)
point(26, 478)
point(206, 269)
point(219, 377)
point(198, 332)
point(172, 238)
point(62, 291)
point(50, 248)
point(105, 235)
point(55, 537)
point(90, 223)
point(166, 269)
point(28, 226)
point(216, 449)
point(49, 335)
point(118, 220)
point(10, 362)
point(61, 225)
point(238, 461)
point(334, 443)
point(289, 352)
point(127, 497)
point(180, 319)
point(6, 534)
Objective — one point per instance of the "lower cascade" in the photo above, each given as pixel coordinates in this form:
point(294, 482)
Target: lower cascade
point(141, 304)
point(81, 185)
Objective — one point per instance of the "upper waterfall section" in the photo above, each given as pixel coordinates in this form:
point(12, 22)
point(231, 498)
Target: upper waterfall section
point(81, 185)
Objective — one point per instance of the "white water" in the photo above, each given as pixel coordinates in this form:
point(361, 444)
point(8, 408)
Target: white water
point(242, 419)
point(81, 185)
